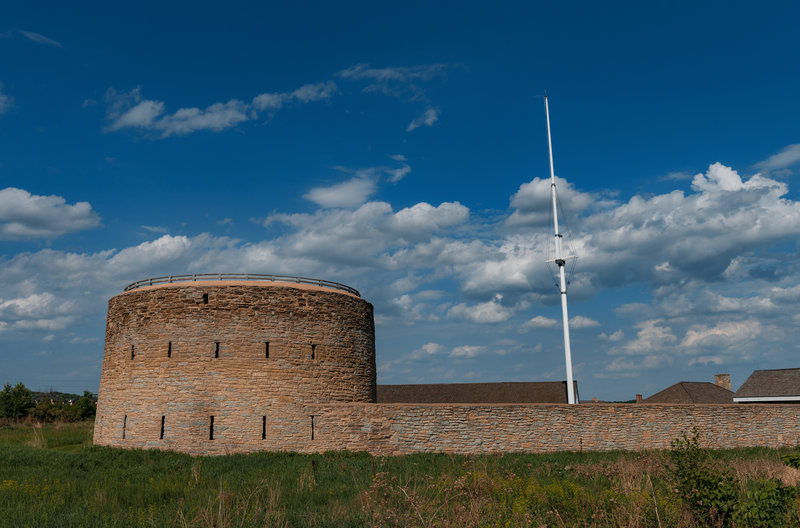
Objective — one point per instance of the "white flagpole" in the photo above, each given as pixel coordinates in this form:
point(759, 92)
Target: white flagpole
point(559, 260)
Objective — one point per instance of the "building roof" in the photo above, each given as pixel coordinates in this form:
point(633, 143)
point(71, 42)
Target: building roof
point(506, 392)
point(770, 385)
point(692, 392)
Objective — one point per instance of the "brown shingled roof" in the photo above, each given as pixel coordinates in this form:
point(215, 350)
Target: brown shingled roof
point(771, 384)
point(506, 392)
point(692, 392)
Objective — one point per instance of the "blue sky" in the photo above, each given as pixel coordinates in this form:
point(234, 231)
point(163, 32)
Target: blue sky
point(401, 149)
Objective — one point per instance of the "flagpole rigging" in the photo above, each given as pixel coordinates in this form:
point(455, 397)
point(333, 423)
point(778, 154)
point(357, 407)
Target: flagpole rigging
point(560, 262)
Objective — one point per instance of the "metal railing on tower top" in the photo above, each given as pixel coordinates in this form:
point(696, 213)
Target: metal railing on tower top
point(196, 277)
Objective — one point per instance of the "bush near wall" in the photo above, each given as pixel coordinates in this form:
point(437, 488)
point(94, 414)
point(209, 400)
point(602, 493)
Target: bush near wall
point(715, 498)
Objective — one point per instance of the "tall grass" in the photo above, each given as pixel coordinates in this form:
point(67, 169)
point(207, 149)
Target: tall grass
point(53, 476)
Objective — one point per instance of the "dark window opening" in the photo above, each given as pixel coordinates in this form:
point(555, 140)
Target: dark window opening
point(211, 429)
point(169, 350)
point(266, 349)
point(124, 425)
point(216, 350)
point(263, 427)
point(312, 426)
point(313, 351)
point(205, 298)
point(161, 436)
point(133, 351)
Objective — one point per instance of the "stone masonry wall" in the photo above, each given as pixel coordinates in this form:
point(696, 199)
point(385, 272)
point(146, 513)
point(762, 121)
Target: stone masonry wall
point(187, 367)
point(192, 351)
point(391, 429)
point(395, 429)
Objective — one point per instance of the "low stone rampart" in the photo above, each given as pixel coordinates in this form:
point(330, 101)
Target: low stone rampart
point(396, 429)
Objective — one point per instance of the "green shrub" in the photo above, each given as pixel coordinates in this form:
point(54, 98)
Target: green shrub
point(792, 460)
point(709, 492)
point(15, 402)
point(84, 408)
point(765, 505)
point(52, 408)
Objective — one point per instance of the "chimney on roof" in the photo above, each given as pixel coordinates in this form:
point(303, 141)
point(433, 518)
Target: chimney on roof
point(638, 398)
point(723, 380)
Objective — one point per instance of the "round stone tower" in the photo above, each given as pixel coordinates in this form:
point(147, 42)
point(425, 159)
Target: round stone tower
point(224, 363)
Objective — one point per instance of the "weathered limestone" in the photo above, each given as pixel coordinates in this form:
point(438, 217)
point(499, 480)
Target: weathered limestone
point(390, 429)
point(231, 350)
point(177, 355)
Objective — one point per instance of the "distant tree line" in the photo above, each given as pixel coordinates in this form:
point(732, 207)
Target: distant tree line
point(19, 403)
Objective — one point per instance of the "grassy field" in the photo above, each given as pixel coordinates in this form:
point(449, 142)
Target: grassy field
point(52, 476)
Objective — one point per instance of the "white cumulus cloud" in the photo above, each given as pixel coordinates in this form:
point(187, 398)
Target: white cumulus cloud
point(579, 321)
point(132, 110)
point(532, 202)
point(428, 118)
point(788, 156)
point(722, 333)
point(396, 81)
point(713, 267)
point(24, 215)
point(350, 193)
point(486, 312)
point(541, 322)
point(142, 115)
point(216, 117)
point(40, 39)
point(423, 218)
point(618, 335)
point(652, 336)
point(467, 351)
point(395, 175)
point(427, 350)
point(305, 94)
point(6, 101)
